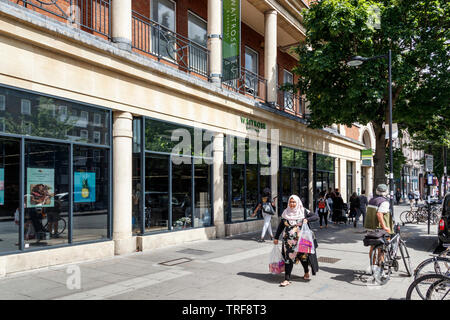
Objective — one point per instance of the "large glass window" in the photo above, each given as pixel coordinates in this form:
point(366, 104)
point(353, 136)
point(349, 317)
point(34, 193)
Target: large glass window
point(34, 115)
point(250, 174)
point(66, 185)
point(350, 190)
point(90, 194)
point(251, 75)
point(324, 174)
point(288, 78)
point(294, 175)
point(177, 178)
point(9, 194)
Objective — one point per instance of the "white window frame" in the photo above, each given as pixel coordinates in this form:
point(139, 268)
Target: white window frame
point(25, 103)
point(97, 116)
point(97, 137)
point(288, 95)
point(2, 102)
point(84, 115)
point(84, 134)
point(155, 20)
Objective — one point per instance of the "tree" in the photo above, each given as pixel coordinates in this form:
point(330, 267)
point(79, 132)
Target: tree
point(417, 33)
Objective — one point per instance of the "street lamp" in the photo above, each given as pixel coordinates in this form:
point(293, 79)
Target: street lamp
point(357, 61)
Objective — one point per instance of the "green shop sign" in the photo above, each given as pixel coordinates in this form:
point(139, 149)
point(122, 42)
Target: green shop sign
point(231, 42)
point(366, 157)
point(253, 124)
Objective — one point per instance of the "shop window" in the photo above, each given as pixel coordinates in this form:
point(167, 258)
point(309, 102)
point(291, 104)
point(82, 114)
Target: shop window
point(90, 193)
point(40, 117)
point(2, 124)
point(294, 175)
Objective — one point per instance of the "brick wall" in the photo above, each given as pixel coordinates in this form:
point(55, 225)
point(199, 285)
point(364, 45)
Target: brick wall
point(352, 132)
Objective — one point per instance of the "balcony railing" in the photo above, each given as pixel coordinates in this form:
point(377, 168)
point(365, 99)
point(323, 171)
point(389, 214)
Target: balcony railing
point(248, 83)
point(156, 40)
point(291, 102)
point(93, 16)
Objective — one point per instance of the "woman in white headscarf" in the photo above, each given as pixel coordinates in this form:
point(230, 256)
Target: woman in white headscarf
point(291, 221)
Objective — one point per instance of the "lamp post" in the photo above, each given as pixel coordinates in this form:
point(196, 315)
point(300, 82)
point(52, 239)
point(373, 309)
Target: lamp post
point(357, 61)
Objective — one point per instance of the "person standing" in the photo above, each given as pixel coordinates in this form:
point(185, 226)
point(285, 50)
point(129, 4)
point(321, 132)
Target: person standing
point(354, 207)
point(268, 209)
point(362, 207)
point(338, 207)
point(323, 209)
point(398, 196)
point(330, 196)
point(416, 196)
point(292, 219)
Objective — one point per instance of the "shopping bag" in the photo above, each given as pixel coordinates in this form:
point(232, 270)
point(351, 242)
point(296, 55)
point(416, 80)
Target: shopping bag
point(305, 240)
point(276, 262)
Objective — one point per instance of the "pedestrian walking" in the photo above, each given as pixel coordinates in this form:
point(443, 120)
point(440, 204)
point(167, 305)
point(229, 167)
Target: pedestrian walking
point(354, 207)
point(323, 209)
point(398, 195)
point(363, 202)
point(267, 209)
point(416, 196)
point(330, 195)
point(338, 208)
point(292, 219)
point(410, 198)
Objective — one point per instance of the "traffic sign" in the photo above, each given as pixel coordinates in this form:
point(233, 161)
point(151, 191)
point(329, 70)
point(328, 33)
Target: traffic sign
point(429, 163)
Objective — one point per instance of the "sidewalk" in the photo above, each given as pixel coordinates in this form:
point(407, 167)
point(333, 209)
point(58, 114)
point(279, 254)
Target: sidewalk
point(234, 268)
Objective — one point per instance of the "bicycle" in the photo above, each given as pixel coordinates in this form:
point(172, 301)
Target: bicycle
point(435, 286)
point(61, 227)
point(383, 257)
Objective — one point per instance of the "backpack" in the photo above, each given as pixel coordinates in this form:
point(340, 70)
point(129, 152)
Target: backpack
point(321, 204)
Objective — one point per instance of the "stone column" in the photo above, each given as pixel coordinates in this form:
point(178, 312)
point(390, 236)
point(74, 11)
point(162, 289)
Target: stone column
point(122, 176)
point(311, 180)
point(219, 219)
point(215, 40)
point(121, 23)
point(270, 54)
point(343, 179)
point(358, 172)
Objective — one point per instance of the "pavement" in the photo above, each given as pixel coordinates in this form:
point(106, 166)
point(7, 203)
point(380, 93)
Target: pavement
point(233, 268)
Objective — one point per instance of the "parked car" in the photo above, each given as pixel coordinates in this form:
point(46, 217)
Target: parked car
point(443, 232)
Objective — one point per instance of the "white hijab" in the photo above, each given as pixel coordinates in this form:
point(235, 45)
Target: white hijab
point(298, 213)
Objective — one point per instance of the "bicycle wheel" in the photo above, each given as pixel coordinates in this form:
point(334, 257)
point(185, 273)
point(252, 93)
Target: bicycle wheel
point(404, 216)
point(439, 290)
point(381, 272)
point(411, 217)
point(418, 289)
point(406, 259)
point(61, 226)
point(439, 265)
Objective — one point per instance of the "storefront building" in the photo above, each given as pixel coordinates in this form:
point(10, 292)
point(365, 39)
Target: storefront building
point(132, 145)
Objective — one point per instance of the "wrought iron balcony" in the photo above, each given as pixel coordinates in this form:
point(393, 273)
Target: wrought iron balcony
point(156, 40)
point(291, 102)
point(93, 16)
point(247, 83)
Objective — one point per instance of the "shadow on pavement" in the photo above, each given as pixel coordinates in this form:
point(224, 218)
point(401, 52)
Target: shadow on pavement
point(272, 278)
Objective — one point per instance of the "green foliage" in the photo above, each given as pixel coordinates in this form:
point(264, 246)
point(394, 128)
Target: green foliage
point(399, 160)
point(415, 31)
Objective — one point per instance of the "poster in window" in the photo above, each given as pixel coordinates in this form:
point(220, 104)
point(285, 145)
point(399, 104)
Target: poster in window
point(40, 187)
point(2, 186)
point(84, 187)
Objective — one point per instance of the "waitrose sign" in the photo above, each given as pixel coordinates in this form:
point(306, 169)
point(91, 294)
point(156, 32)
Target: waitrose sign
point(231, 41)
point(253, 124)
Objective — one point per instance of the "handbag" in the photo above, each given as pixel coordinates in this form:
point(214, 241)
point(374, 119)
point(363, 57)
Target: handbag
point(268, 209)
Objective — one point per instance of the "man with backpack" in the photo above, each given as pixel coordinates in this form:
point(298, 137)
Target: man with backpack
point(378, 216)
point(268, 209)
point(323, 209)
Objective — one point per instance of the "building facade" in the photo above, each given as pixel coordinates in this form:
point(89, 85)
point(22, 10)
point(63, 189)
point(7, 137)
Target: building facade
point(122, 130)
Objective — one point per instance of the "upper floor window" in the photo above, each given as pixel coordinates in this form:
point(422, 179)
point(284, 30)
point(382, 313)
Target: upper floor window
point(197, 32)
point(163, 40)
point(2, 102)
point(251, 64)
point(288, 78)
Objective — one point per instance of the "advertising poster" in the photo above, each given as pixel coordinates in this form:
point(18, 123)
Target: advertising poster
point(84, 187)
point(2, 186)
point(40, 187)
point(231, 47)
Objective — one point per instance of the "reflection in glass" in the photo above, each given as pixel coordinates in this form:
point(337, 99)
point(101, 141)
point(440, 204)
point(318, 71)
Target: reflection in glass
point(203, 210)
point(91, 190)
point(181, 196)
point(163, 40)
point(252, 189)
point(237, 192)
point(31, 114)
point(46, 189)
point(9, 194)
point(156, 192)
